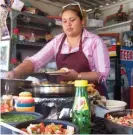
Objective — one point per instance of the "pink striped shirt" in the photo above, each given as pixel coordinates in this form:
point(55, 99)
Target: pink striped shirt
point(93, 47)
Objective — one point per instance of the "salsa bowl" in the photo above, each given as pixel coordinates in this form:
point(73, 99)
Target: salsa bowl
point(14, 118)
point(46, 122)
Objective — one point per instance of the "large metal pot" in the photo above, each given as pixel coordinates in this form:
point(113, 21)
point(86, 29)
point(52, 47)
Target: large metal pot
point(115, 128)
point(53, 89)
point(14, 86)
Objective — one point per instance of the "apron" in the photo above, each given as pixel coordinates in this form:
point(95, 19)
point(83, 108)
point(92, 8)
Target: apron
point(76, 61)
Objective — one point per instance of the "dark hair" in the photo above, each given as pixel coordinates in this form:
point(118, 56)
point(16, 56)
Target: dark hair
point(74, 8)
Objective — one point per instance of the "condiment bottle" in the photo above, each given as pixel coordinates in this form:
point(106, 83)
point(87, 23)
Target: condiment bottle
point(81, 112)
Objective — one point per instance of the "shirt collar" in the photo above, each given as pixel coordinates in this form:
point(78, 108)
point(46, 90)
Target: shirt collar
point(85, 34)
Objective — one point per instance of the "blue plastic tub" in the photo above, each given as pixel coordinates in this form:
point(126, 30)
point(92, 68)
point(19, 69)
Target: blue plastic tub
point(5, 130)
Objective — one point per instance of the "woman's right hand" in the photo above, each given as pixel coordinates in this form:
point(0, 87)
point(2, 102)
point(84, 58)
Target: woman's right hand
point(10, 75)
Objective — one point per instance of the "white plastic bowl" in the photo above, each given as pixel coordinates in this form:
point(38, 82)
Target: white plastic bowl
point(111, 105)
point(114, 105)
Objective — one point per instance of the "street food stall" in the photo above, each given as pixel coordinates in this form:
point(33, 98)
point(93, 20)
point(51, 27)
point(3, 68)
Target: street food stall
point(48, 105)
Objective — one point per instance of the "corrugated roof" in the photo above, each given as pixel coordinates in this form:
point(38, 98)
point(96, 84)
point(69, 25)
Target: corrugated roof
point(86, 4)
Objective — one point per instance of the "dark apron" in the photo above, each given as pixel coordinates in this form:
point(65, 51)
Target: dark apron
point(76, 61)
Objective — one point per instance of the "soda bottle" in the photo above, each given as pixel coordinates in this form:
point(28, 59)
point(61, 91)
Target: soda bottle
point(81, 112)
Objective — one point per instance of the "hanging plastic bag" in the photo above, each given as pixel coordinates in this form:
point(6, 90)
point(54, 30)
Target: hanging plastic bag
point(17, 5)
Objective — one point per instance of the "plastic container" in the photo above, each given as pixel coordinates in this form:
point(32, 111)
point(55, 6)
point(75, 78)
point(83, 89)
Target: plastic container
point(6, 103)
point(8, 131)
point(25, 102)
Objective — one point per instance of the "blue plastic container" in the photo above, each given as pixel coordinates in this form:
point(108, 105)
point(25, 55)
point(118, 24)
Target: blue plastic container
point(5, 130)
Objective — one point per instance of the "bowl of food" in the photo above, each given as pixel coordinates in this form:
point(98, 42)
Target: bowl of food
point(119, 122)
point(13, 118)
point(47, 126)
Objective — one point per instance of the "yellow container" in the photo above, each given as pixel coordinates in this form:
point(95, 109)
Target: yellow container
point(25, 102)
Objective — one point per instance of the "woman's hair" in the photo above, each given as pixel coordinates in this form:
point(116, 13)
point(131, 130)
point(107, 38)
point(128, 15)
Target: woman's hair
point(76, 9)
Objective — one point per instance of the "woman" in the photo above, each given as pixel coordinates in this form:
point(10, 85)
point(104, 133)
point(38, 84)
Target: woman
point(83, 53)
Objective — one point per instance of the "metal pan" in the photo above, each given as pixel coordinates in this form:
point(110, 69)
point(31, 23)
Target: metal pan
point(115, 128)
point(53, 89)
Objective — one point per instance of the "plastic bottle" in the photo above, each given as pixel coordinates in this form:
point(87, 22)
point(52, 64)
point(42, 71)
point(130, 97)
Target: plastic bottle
point(81, 112)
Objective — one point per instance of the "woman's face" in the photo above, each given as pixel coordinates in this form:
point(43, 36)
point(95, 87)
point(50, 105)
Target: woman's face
point(71, 23)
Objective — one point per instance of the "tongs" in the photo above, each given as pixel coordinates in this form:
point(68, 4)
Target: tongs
point(13, 128)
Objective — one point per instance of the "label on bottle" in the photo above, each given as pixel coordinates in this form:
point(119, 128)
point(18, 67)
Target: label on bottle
point(80, 104)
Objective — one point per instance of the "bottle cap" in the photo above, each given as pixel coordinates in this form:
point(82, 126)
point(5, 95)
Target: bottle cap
point(118, 43)
point(81, 83)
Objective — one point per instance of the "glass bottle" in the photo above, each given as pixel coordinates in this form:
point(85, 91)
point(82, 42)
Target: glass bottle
point(81, 113)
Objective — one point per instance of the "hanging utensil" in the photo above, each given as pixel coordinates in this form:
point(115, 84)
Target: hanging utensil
point(14, 86)
point(7, 87)
point(13, 128)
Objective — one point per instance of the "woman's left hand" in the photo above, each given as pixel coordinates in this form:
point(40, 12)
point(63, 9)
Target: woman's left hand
point(71, 75)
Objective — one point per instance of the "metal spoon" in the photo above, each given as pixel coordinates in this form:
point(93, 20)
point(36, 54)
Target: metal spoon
point(13, 128)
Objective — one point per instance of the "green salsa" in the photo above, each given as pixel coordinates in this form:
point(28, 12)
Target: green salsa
point(17, 117)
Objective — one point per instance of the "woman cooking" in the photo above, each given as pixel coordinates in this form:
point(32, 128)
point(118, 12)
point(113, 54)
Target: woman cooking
point(83, 53)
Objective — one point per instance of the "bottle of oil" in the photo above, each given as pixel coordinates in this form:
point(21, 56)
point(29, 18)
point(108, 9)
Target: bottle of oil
point(81, 114)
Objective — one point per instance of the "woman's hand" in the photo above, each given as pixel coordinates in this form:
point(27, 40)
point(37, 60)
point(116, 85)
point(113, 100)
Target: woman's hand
point(10, 74)
point(71, 75)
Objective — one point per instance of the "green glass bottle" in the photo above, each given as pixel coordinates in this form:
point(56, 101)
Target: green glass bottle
point(81, 114)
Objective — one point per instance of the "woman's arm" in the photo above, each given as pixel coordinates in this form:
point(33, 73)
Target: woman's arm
point(90, 76)
point(101, 61)
point(35, 62)
point(24, 69)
